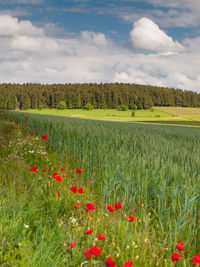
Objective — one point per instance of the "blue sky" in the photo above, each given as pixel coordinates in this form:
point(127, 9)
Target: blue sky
point(102, 41)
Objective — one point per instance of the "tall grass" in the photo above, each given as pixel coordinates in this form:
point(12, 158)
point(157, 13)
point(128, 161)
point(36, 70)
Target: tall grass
point(153, 167)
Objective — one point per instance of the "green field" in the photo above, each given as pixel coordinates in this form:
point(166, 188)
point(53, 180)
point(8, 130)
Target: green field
point(152, 170)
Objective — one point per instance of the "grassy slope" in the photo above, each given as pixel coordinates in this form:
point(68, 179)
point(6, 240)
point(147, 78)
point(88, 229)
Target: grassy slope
point(108, 114)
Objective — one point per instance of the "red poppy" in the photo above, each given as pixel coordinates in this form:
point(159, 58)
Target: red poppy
point(110, 263)
point(26, 118)
point(180, 246)
point(87, 254)
point(88, 232)
point(49, 177)
point(31, 133)
point(196, 259)
point(78, 170)
point(87, 210)
point(90, 206)
point(62, 168)
point(176, 257)
point(10, 119)
point(131, 219)
point(44, 171)
point(55, 169)
point(76, 206)
point(25, 126)
point(73, 189)
point(44, 137)
point(118, 206)
point(72, 245)
point(36, 131)
point(57, 177)
point(80, 190)
point(101, 237)
point(58, 193)
point(95, 251)
point(34, 169)
point(110, 208)
point(66, 175)
point(128, 264)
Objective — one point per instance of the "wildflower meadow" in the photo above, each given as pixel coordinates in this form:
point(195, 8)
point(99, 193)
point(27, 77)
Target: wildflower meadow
point(76, 192)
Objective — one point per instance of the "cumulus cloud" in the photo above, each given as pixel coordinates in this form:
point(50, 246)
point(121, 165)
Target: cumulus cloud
point(148, 36)
point(28, 54)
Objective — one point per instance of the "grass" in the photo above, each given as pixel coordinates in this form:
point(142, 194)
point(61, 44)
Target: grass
point(152, 170)
point(105, 114)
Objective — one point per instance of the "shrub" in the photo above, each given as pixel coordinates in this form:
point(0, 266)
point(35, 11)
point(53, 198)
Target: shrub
point(88, 106)
point(61, 105)
point(134, 106)
point(133, 114)
point(122, 108)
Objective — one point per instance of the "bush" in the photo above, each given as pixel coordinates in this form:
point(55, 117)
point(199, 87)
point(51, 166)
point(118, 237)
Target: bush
point(133, 114)
point(134, 106)
point(122, 108)
point(88, 106)
point(61, 105)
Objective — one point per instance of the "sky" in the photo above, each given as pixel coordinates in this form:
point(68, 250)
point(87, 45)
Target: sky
point(151, 42)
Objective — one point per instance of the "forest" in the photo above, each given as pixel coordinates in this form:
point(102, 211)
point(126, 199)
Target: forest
point(101, 96)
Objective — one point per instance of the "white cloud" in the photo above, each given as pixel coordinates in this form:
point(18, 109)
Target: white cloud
point(148, 36)
point(29, 2)
point(10, 26)
point(27, 54)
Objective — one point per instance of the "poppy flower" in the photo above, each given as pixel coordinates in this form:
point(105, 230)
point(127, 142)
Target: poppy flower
point(101, 237)
point(131, 219)
point(76, 206)
point(10, 119)
point(90, 206)
point(87, 210)
point(44, 137)
point(31, 133)
point(128, 264)
point(180, 246)
point(176, 257)
point(58, 193)
point(62, 168)
point(118, 206)
point(66, 175)
point(25, 126)
point(72, 245)
point(95, 251)
point(55, 169)
point(196, 259)
point(87, 254)
point(110, 263)
point(44, 171)
point(26, 118)
point(88, 232)
point(78, 170)
point(73, 189)
point(57, 177)
point(49, 177)
point(110, 208)
point(80, 191)
point(34, 169)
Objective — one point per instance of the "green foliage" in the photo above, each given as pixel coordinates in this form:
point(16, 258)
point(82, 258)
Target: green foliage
point(135, 107)
point(139, 104)
point(88, 106)
point(122, 108)
point(62, 105)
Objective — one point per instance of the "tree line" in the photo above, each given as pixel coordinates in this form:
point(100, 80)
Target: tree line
point(103, 95)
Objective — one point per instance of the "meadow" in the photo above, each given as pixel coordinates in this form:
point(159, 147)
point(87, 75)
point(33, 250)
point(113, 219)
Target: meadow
point(152, 170)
